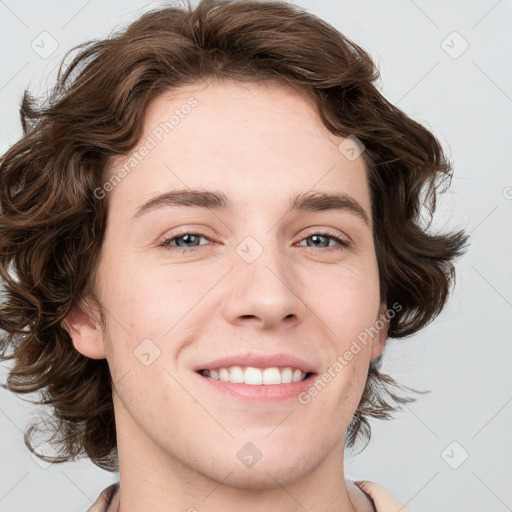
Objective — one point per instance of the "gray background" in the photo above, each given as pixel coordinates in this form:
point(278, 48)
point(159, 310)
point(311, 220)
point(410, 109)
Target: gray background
point(464, 357)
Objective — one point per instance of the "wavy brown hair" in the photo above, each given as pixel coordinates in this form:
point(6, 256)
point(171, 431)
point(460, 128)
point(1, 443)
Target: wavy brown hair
point(52, 223)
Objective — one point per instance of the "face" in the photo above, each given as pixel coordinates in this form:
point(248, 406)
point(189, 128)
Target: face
point(183, 285)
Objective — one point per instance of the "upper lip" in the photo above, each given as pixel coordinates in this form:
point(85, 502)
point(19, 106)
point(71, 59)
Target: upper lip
point(258, 361)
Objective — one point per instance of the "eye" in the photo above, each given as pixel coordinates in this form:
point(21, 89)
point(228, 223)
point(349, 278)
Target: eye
point(189, 242)
point(317, 237)
point(182, 241)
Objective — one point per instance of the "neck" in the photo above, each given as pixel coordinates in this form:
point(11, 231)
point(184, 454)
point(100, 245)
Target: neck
point(153, 478)
point(150, 492)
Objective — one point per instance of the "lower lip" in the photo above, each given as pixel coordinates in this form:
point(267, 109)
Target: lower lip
point(262, 392)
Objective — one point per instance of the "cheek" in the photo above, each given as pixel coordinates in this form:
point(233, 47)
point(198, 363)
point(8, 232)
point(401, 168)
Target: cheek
point(148, 301)
point(153, 310)
point(355, 380)
point(347, 301)
point(337, 392)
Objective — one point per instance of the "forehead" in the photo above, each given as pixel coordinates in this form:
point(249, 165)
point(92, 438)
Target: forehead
point(256, 142)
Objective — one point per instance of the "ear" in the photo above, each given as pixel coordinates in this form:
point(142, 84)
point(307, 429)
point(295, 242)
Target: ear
point(379, 340)
point(85, 331)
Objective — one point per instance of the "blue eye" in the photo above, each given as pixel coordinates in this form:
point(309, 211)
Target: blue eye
point(188, 238)
point(179, 242)
point(327, 236)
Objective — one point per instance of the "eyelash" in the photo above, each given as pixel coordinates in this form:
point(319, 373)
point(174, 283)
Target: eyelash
point(166, 244)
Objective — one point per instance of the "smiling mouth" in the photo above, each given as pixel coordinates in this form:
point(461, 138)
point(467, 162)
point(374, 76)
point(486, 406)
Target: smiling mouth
point(256, 376)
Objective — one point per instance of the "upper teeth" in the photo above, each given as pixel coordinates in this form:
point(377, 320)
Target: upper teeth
point(256, 376)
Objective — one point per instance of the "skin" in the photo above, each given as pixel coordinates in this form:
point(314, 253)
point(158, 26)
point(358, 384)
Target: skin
point(177, 438)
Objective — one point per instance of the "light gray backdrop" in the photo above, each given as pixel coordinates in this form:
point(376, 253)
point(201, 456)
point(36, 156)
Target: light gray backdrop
point(446, 64)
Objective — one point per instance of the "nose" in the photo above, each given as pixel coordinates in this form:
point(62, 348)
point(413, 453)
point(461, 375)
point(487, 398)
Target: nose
point(265, 291)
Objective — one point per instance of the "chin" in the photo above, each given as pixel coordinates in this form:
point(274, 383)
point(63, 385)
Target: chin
point(268, 476)
point(272, 470)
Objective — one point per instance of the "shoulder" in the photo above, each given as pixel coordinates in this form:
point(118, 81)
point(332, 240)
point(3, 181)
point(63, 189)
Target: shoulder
point(381, 499)
point(361, 501)
point(104, 500)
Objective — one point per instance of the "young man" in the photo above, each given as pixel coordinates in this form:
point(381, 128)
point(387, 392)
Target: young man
point(214, 229)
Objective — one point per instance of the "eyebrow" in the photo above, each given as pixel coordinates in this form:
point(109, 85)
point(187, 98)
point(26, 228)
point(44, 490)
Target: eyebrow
point(306, 201)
